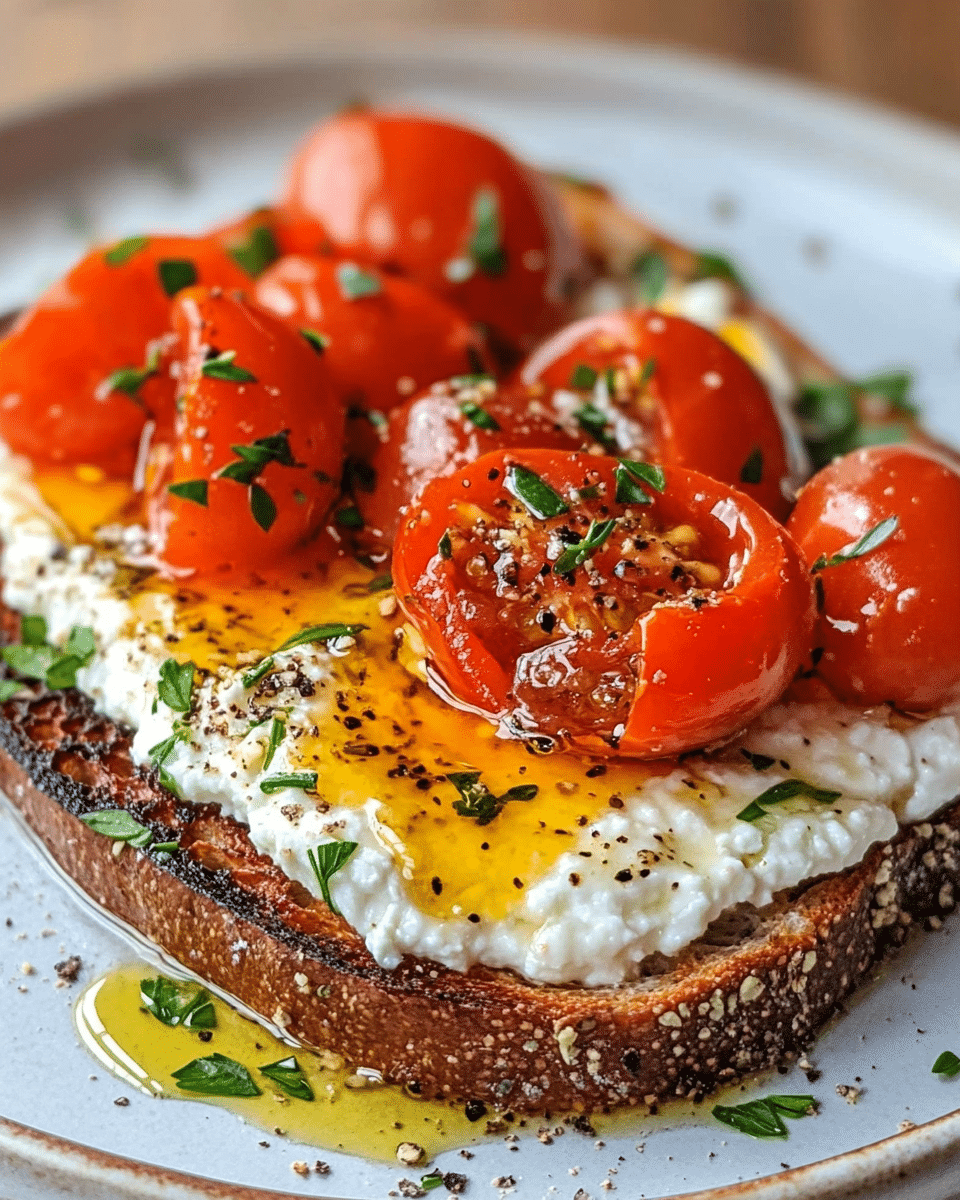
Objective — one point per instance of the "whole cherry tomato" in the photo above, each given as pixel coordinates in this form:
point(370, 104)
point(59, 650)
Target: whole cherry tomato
point(881, 527)
point(659, 387)
point(256, 461)
point(383, 337)
point(620, 606)
point(446, 206)
point(83, 369)
point(439, 431)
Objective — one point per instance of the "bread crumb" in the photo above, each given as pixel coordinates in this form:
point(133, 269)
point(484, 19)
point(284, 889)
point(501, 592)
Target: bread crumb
point(905, 1125)
point(299, 1167)
point(409, 1153)
point(69, 968)
point(321, 1168)
point(850, 1093)
point(122, 1102)
point(27, 969)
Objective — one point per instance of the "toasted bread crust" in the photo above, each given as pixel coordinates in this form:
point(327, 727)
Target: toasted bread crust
point(228, 913)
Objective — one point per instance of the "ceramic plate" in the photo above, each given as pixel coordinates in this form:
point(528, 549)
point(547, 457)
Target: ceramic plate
point(846, 220)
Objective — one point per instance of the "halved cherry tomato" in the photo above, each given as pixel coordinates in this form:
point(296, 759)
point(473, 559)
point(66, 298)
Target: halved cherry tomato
point(258, 451)
point(82, 369)
point(383, 337)
point(888, 628)
point(625, 608)
point(660, 387)
point(446, 206)
point(439, 431)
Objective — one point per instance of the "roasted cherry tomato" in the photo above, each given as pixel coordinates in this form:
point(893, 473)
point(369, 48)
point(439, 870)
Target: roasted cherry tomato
point(887, 630)
point(446, 206)
point(622, 607)
point(383, 337)
point(439, 431)
point(660, 387)
point(83, 368)
point(256, 461)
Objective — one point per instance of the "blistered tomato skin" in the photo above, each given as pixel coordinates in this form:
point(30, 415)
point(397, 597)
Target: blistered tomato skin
point(61, 399)
point(256, 460)
point(439, 431)
point(673, 392)
point(447, 207)
point(684, 616)
point(383, 337)
point(888, 628)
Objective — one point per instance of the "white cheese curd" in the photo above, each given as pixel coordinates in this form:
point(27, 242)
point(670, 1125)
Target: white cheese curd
point(656, 872)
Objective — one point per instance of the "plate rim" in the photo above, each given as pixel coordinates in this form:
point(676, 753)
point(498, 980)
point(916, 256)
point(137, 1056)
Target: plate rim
point(923, 148)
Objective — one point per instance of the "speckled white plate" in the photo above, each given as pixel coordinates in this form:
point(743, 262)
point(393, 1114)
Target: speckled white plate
point(847, 220)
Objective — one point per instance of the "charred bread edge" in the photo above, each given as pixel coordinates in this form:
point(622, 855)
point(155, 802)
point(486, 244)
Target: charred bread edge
point(230, 915)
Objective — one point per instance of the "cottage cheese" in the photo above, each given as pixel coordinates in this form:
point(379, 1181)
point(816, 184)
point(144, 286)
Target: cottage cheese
point(683, 857)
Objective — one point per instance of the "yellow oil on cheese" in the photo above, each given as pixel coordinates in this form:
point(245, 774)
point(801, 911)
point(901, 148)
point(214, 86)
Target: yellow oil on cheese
point(348, 1112)
point(381, 732)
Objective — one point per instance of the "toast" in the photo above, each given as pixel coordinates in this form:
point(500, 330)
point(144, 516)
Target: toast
point(746, 996)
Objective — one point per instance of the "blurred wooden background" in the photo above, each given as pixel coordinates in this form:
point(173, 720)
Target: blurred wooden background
point(902, 52)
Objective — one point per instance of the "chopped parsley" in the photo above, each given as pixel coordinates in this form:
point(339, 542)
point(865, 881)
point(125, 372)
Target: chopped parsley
point(318, 341)
point(355, 282)
point(174, 1003)
point(536, 495)
point(764, 1118)
point(34, 658)
point(711, 265)
point(871, 540)
point(130, 380)
point(752, 469)
point(175, 274)
point(216, 1075)
point(595, 423)
point(629, 475)
point(304, 781)
point(582, 377)
point(576, 555)
point(652, 274)
point(194, 490)
point(288, 1075)
point(477, 801)
point(254, 253)
point(789, 789)
point(124, 250)
point(477, 415)
point(252, 459)
point(175, 687)
point(326, 859)
point(223, 367)
point(947, 1065)
point(485, 247)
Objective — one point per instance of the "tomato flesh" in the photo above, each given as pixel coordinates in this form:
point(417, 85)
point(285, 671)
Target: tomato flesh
point(229, 509)
point(61, 398)
point(447, 207)
point(672, 392)
point(887, 631)
point(687, 620)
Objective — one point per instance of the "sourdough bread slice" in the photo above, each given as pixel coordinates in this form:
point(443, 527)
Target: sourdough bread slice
point(748, 995)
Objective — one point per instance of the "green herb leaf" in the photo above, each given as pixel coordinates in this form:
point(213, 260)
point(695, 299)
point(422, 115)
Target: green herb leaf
point(256, 252)
point(130, 380)
point(429, 1182)
point(647, 372)
point(176, 274)
point(711, 265)
point(485, 247)
point(277, 733)
point(630, 475)
point(262, 668)
point(349, 517)
point(478, 802)
point(124, 250)
point(764, 1118)
point(164, 847)
point(33, 631)
point(304, 781)
point(870, 541)
point(380, 583)
point(947, 1064)
point(536, 495)
point(574, 556)
point(32, 662)
point(194, 490)
point(168, 781)
point(752, 469)
point(174, 1002)
point(789, 789)
point(355, 282)
point(81, 643)
point(62, 672)
point(592, 421)
point(444, 546)
point(175, 687)
point(262, 507)
point(892, 386)
point(319, 341)
point(288, 1075)
point(582, 377)
point(460, 382)
point(162, 750)
point(116, 823)
point(216, 1075)
point(326, 859)
point(759, 762)
point(8, 689)
point(252, 459)
point(223, 367)
point(321, 633)
point(652, 273)
point(477, 415)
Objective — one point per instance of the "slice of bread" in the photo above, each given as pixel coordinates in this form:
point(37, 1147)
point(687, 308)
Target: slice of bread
point(748, 995)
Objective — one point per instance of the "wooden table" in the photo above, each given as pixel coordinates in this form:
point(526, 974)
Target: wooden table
point(903, 52)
